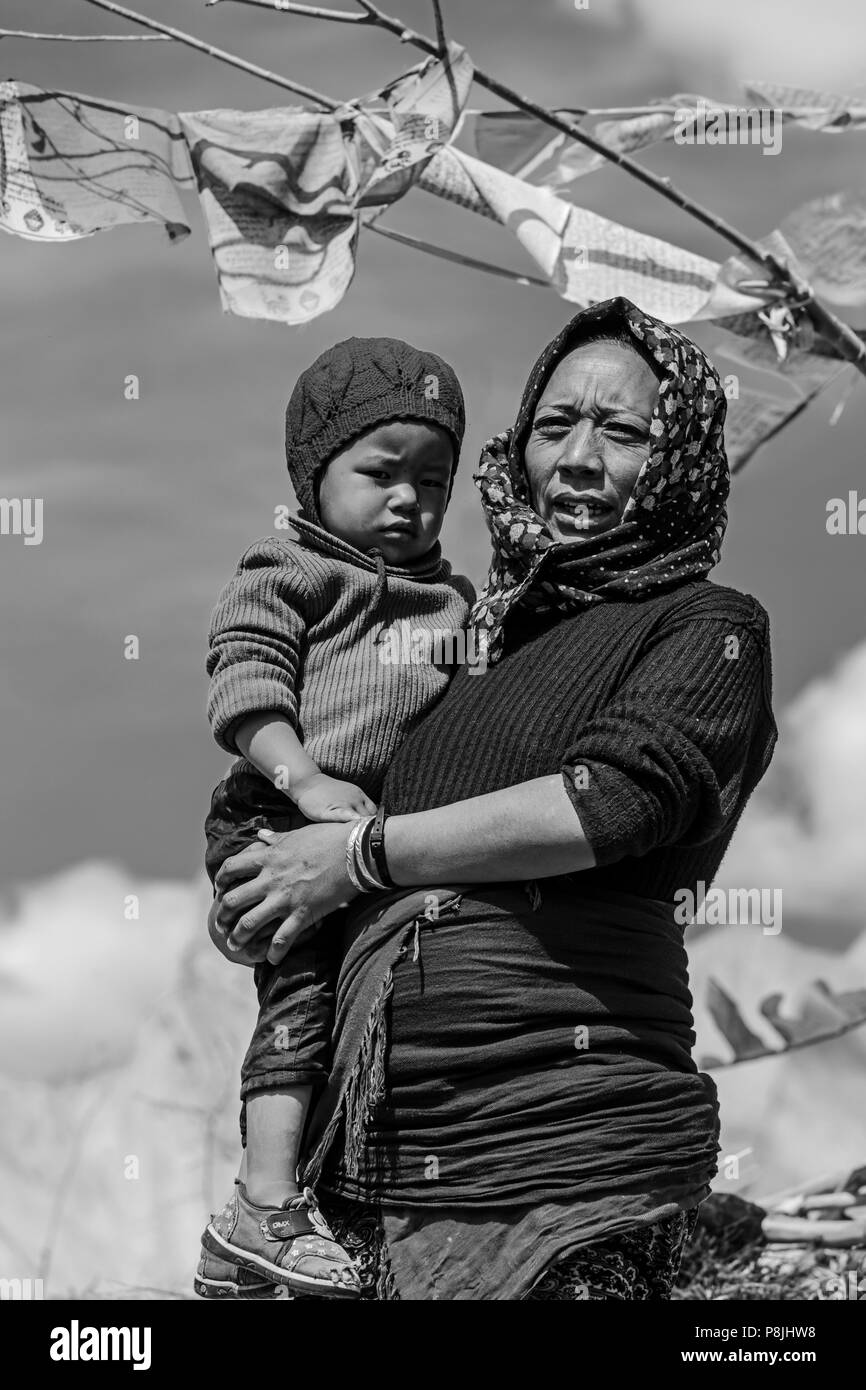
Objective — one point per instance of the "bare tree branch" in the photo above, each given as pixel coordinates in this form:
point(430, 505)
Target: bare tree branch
point(220, 54)
point(311, 11)
point(85, 38)
point(779, 277)
point(440, 28)
point(444, 254)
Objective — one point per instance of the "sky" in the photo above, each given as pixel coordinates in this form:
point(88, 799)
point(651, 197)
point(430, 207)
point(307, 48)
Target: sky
point(150, 503)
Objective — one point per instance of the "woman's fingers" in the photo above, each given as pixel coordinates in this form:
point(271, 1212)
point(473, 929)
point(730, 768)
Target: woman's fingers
point(288, 934)
point(256, 951)
point(240, 900)
point(250, 923)
point(240, 866)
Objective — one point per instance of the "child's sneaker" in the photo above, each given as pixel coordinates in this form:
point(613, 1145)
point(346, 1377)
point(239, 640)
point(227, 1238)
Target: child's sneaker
point(219, 1278)
point(291, 1245)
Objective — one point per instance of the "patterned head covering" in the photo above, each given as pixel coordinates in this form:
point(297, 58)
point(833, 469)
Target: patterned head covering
point(672, 526)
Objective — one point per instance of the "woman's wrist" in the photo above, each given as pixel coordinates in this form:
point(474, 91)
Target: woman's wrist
point(366, 865)
point(374, 844)
point(401, 838)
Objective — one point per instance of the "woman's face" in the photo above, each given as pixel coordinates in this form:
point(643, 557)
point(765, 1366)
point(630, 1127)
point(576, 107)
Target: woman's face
point(590, 438)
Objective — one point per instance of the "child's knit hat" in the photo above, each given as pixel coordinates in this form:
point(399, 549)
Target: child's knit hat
point(356, 385)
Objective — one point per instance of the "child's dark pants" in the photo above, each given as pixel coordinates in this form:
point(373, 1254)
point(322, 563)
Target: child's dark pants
point(291, 1042)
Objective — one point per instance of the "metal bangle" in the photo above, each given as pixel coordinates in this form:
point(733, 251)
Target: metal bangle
point(365, 858)
point(351, 860)
point(358, 870)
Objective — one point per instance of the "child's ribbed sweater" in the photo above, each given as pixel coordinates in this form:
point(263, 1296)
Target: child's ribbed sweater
point(298, 631)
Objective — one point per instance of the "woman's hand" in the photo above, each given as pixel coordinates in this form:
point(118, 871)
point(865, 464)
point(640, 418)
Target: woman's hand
point(297, 877)
point(256, 951)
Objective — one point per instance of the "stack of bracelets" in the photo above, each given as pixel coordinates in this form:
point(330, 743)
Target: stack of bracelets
point(366, 864)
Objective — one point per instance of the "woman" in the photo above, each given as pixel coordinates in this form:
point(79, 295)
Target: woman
point(513, 1110)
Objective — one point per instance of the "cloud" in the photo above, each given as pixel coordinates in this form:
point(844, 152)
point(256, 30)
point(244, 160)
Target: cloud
point(792, 41)
point(78, 979)
point(804, 831)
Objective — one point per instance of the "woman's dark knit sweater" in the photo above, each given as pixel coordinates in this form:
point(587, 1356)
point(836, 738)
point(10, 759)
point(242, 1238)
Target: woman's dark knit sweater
point(657, 712)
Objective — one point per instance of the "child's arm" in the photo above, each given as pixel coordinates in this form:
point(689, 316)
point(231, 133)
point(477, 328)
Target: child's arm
point(255, 644)
point(268, 740)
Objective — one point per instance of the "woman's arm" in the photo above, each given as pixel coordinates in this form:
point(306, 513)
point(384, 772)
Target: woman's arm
point(526, 831)
point(671, 757)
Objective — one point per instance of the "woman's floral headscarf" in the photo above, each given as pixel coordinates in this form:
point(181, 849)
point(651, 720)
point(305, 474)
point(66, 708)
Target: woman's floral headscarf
point(673, 524)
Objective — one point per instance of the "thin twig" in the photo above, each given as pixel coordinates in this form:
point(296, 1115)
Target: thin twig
point(85, 38)
point(220, 54)
point(822, 320)
point(312, 12)
point(779, 275)
point(442, 44)
point(440, 28)
point(850, 1024)
point(668, 109)
point(63, 1189)
point(444, 254)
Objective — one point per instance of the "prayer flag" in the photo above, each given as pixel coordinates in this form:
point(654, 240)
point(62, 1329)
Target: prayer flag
point(587, 257)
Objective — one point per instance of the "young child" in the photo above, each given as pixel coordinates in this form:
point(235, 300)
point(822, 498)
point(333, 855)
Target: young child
point(300, 691)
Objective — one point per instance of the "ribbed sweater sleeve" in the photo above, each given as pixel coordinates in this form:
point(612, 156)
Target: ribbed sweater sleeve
point(255, 640)
point(668, 759)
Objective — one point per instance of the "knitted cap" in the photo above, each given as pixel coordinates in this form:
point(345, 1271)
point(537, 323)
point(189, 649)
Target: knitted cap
point(356, 385)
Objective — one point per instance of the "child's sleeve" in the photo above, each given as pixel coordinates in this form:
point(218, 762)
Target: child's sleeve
point(255, 639)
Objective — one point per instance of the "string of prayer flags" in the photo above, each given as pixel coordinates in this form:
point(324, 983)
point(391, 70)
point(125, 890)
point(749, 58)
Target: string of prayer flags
point(828, 236)
point(584, 256)
point(755, 418)
point(280, 190)
point(804, 369)
point(278, 193)
point(815, 1014)
point(811, 109)
point(520, 144)
point(528, 148)
point(750, 326)
point(75, 165)
point(23, 210)
point(400, 128)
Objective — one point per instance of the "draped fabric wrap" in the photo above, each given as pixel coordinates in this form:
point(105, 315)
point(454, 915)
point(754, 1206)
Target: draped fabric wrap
point(525, 1089)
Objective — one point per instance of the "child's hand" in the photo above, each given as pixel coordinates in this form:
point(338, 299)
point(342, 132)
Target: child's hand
point(323, 798)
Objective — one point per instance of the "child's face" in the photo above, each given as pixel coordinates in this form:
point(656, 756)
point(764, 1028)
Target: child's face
point(388, 489)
